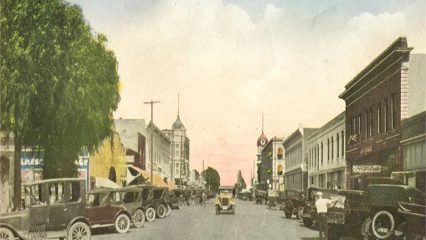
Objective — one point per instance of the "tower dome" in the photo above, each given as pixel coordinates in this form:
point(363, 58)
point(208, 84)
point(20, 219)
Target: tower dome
point(178, 124)
point(262, 140)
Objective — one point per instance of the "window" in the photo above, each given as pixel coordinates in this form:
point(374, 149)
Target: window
point(386, 115)
point(328, 150)
point(359, 125)
point(332, 148)
point(379, 118)
point(343, 144)
point(322, 154)
point(337, 145)
point(75, 193)
point(280, 153)
point(393, 111)
point(370, 130)
point(56, 193)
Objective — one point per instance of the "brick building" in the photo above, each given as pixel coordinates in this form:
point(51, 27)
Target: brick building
point(376, 102)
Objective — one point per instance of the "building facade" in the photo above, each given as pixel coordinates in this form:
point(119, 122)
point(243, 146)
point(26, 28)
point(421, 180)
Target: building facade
point(295, 146)
point(180, 150)
point(326, 155)
point(271, 171)
point(159, 151)
point(133, 137)
point(376, 102)
point(259, 178)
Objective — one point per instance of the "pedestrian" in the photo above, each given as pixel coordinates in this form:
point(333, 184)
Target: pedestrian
point(322, 205)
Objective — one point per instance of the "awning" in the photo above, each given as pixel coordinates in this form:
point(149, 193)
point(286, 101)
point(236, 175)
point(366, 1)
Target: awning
point(105, 183)
point(131, 176)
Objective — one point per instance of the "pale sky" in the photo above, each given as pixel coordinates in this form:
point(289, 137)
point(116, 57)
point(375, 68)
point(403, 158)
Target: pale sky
point(232, 60)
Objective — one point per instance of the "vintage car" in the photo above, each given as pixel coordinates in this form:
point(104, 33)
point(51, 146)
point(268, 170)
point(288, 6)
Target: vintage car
point(273, 199)
point(225, 201)
point(414, 220)
point(294, 201)
point(384, 199)
point(104, 209)
point(177, 199)
point(155, 201)
point(133, 202)
point(261, 196)
point(53, 208)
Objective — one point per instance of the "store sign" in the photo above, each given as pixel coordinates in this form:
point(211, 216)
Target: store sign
point(366, 168)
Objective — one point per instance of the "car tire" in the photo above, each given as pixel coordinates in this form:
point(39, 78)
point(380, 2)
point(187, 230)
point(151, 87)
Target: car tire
point(150, 214)
point(161, 211)
point(79, 231)
point(307, 222)
point(376, 224)
point(181, 205)
point(288, 214)
point(138, 218)
point(6, 234)
point(122, 223)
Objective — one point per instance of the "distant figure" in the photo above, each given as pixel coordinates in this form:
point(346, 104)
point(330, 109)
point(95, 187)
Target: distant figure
point(322, 205)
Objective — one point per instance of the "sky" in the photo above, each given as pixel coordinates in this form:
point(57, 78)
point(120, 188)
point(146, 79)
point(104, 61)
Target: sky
point(232, 60)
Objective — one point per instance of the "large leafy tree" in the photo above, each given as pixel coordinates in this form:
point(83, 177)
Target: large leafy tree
point(212, 178)
point(59, 83)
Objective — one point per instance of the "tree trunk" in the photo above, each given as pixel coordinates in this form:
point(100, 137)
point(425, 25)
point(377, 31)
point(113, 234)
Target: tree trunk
point(17, 171)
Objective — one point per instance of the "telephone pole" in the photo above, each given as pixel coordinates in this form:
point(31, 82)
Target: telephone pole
point(152, 137)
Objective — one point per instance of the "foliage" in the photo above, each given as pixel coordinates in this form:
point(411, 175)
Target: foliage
point(212, 178)
point(59, 83)
point(241, 183)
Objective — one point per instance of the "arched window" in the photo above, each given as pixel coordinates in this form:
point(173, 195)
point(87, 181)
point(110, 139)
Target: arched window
point(280, 170)
point(280, 153)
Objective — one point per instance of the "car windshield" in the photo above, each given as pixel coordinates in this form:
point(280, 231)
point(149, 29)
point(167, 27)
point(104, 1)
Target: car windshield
point(225, 192)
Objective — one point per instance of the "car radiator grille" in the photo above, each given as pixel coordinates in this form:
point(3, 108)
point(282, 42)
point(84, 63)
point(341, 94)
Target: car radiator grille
point(225, 201)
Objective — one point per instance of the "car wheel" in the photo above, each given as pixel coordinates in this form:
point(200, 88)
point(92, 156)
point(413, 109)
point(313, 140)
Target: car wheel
point(139, 218)
point(79, 231)
point(6, 234)
point(288, 214)
point(307, 222)
point(150, 214)
point(181, 205)
point(169, 210)
point(383, 224)
point(122, 223)
point(161, 211)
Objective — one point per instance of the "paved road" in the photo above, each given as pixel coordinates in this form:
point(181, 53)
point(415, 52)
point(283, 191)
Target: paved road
point(251, 221)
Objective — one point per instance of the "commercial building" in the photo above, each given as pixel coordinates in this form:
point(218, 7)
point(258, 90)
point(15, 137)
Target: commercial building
point(326, 155)
point(133, 137)
point(377, 100)
point(159, 151)
point(295, 146)
point(271, 170)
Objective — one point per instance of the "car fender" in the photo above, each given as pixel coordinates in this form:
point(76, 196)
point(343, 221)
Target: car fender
point(77, 219)
point(121, 212)
point(14, 231)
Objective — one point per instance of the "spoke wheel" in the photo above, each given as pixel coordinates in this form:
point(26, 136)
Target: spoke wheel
point(6, 234)
point(181, 205)
point(139, 218)
point(150, 214)
point(161, 211)
point(383, 224)
point(79, 231)
point(122, 223)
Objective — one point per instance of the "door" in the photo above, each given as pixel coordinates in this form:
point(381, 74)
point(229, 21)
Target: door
point(57, 205)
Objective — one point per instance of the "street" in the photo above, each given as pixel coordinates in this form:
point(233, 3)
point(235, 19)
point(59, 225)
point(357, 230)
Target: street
point(251, 221)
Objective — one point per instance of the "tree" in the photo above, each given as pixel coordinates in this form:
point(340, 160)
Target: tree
point(240, 184)
point(212, 178)
point(59, 83)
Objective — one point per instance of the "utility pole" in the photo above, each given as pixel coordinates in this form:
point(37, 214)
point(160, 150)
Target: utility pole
point(152, 137)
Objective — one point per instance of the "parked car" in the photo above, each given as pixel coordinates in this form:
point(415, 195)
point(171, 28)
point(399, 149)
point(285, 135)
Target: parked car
point(261, 196)
point(154, 201)
point(385, 202)
point(293, 202)
point(177, 199)
point(104, 209)
point(414, 220)
point(53, 208)
point(133, 202)
point(225, 200)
